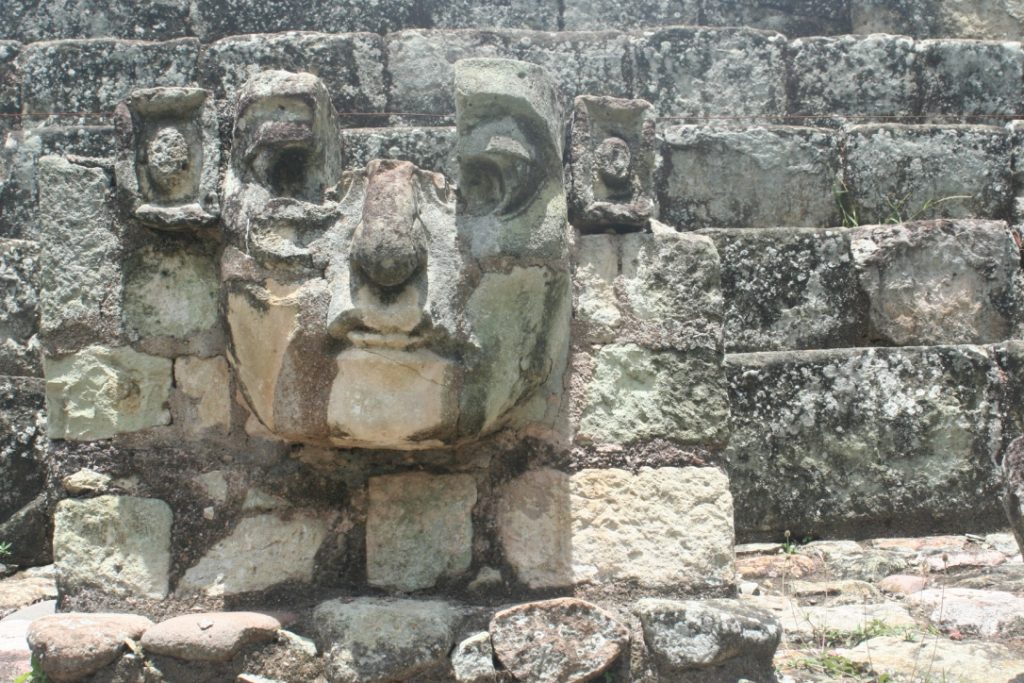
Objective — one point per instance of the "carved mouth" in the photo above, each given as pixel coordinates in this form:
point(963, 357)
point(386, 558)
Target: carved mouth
point(366, 339)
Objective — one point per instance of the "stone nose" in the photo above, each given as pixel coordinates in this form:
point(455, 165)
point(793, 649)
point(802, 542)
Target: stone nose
point(390, 242)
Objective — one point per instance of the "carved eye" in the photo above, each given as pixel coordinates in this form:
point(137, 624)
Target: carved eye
point(497, 173)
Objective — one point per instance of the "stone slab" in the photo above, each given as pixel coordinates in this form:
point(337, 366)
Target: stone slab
point(210, 636)
point(10, 86)
point(19, 308)
point(983, 19)
point(591, 15)
point(793, 18)
point(23, 465)
point(970, 77)
point(36, 20)
point(432, 148)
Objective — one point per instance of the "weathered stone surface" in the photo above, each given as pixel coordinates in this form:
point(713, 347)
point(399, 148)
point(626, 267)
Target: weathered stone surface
point(534, 516)
point(351, 65)
point(209, 637)
point(712, 640)
point(260, 552)
point(973, 662)
point(71, 646)
point(896, 173)
point(23, 459)
point(783, 566)
point(789, 288)
point(636, 394)
point(580, 15)
point(830, 592)
point(970, 77)
point(86, 481)
point(102, 72)
point(774, 175)
point(985, 613)
point(806, 623)
point(596, 307)
point(846, 441)
point(207, 382)
point(24, 589)
point(99, 392)
point(473, 660)
point(418, 529)
point(115, 545)
point(902, 584)
point(429, 147)
point(984, 19)
point(170, 293)
point(852, 76)
point(940, 282)
point(10, 90)
point(371, 640)
point(19, 308)
point(793, 18)
point(564, 640)
point(80, 273)
point(696, 72)
point(35, 20)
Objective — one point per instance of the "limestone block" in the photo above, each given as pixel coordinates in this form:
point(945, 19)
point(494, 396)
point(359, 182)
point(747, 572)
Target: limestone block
point(418, 529)
point(19, 307)
point(208, 382)
point(581, 15)
point(637, 394)
point(970, 77)
point(23, 461)
point(854, 441)
point(691, 72)
point(10, 90)
point(350, 65)
point(35, 20)
point(114, 545)
point(793, 18)
point(80, 272)
point(982, 19)
point(87, 78)
point(213, 19)
point(789, 288)
point(99, 392)
point(596, 305)
point(940, 282)
point(749, 178)
point(171, 292)
point(420, 63)
point(852, 75)
point(430, 148)
point(373, 640)
point(534, 517)
point(896, 173)
point(261, 552)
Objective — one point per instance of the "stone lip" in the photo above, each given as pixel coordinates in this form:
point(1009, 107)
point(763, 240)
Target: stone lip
point(71, 646)
point(209, 637)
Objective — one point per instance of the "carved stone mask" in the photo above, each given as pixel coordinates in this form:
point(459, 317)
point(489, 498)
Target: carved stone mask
point(380, 307)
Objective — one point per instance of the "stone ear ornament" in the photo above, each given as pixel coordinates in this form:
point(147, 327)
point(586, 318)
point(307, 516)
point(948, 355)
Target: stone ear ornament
point(168, 157)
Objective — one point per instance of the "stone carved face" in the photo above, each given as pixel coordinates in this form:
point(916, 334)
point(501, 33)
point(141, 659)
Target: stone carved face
point(381, 307)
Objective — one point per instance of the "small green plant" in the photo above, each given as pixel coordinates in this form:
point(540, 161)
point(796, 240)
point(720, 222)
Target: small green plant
point(873, 629)
point(898, 208)
point(36, 675)
point(791, 547)
point(5, 549)
point(835, 665)
point(847, 208)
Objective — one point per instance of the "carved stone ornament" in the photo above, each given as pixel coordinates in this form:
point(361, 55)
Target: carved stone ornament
point(612, 164)
point(168, 157)
point(379, 307)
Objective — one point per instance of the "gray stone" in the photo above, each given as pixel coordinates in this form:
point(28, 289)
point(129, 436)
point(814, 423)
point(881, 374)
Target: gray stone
point(591, 15)
point(970, 78)
point(971, 611)
point(540, 15)
point(209, 637)
point(24, 464)
point(83, 80)
point(698, 72)
point(789, 288)
point(848, 441)
point(19, 308)
point(473, 660)
point(207, 382)
point(940, 282)
point(419, 529)
point(86, 481)
point(10, 90)
point(853, 76)
point(72, 646)
point(775, 175)
point(712, 641)
point(171, 293)
point(793, 18)
point(983, 19)
point(897, 173)
point(807, 623)
point(36, 20)
point(431, 148)
point(906, 657)
point(534, 518)
point(564, 640)
point(371, 640)
point(113, 545)
point(99, 392)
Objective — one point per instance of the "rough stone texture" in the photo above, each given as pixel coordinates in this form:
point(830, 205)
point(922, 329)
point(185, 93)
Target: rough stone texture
point(695, 72)
point(897, 173)
point(370, 640)
point(26, 588)
point(940, 282)
point(82, 80)
point(970, 77)
point(86, 481)
point(775, 175)
point(418, 529)
point(852, 76)
point(208, 383)
point(971, 611)
point(71, 646)
point(789, 288)
point(99, 392)
point(806, 623)
point(172, 294)
point(261, 552)
point(845, 442)
point(473, 660)
point(10, 90)
point(209, 637)
point(590, 15)
point(637, 394)
point(984, 19)
point(350, 65)
point(969, 661)
point(23, 465)
point(114, 545)
point(534, 516)
point(425, 146)
point(34, 20)
point(793, 18)
point(564, 640)
point(713, 640)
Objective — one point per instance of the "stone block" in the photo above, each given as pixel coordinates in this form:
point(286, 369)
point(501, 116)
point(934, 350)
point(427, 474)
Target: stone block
point(171, 292)
point(210, 636)
point(72, 646)
point(99, 392)
point(940, 282)
point(897, 173)
point(982, 19)
point(665, 529)
point(114, 546)
point(473, 660)
point(23, 461)
point(214, 19)
point(351, 65)
point(789, 288)
point(636, 394)
point(10, 85)
point(259, 553)
point(19, 308)
point(749, 178)
point(699, 72)
point(207, 382)
point(419, 529)
point(596, 308)
point(588, 15)
point(852, 76)
point(432, 148)
point(793, 18)
point(970, 78)
point(37, 20)
point(420, 63)
point(83, 80)
point(539, 15)
point(851, 442)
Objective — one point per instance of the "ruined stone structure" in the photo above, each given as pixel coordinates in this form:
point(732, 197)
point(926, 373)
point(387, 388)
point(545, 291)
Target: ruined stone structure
point(460, 341)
